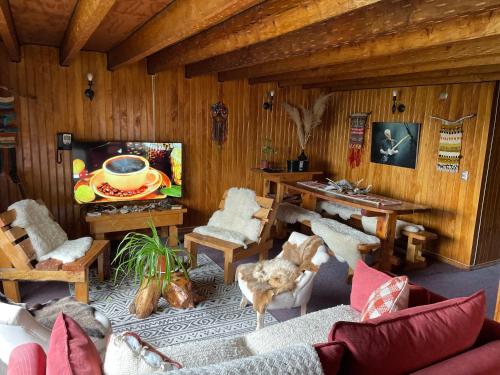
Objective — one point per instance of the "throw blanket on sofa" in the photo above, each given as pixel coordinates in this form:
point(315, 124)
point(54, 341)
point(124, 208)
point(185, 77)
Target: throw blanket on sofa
point(268, 278)
point(293, 360)
point(48, 239)
point(235, 223)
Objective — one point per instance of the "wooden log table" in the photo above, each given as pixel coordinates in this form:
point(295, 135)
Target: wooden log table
point(386, 216)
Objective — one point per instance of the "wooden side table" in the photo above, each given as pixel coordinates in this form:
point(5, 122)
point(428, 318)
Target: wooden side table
point(165, 220)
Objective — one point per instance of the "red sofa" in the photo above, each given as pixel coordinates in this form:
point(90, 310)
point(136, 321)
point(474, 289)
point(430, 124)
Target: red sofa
point(433, 336)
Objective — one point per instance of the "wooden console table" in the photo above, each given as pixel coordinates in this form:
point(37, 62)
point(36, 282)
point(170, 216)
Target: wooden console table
point(165, 220)
point(277, 177)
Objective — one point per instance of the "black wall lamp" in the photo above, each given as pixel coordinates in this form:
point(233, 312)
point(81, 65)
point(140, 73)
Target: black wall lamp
point(268, 105)
point(399, 107)
point(89, 93)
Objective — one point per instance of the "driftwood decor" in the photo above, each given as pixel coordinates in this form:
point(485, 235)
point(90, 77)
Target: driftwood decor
point(306, 120)
point(219, 123)
point(450, 143)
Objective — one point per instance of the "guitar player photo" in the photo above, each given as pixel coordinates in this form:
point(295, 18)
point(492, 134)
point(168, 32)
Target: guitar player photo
point(395, 143)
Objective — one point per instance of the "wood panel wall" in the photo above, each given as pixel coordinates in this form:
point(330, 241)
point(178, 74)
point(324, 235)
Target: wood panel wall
point(488, 223)
point(51, 99)
point(454, 202)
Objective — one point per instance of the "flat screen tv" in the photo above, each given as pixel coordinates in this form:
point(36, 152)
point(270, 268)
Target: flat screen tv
point(106, 172)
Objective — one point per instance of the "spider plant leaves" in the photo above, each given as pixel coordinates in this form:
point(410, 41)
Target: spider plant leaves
point(144, 256)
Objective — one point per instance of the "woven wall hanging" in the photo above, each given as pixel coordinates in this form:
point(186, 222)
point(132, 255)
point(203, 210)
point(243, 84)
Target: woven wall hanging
point(219, 123)
point(450, 143)
point(357, 137)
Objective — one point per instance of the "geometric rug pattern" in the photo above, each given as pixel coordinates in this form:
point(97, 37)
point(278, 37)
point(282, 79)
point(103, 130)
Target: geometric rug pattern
point(218, 315)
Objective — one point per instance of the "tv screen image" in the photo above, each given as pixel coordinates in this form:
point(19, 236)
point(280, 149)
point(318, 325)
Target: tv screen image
point(126, 171)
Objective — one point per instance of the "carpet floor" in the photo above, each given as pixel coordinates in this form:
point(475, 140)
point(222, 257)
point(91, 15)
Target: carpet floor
point(330, 288)
point(218, 315)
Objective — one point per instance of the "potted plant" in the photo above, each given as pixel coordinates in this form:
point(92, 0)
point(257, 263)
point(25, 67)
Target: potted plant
point(267, 150)
point(153, 264)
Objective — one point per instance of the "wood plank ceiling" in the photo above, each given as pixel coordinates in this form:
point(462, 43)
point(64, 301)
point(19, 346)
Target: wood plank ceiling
point(336, 44)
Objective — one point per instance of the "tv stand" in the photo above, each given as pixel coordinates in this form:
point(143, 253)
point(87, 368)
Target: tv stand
point(165, 220)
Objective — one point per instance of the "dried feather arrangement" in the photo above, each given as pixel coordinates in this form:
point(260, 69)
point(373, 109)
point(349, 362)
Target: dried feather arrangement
point(306, 120)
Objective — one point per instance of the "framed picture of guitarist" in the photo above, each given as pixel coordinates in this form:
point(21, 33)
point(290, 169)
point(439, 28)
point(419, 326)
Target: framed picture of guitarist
point(395, 143)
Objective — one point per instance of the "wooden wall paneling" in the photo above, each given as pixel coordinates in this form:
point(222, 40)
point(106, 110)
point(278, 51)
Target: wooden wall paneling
point(487, 236)
point(52, 100)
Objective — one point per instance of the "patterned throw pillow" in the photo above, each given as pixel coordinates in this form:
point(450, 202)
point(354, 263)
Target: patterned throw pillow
point(391, 296)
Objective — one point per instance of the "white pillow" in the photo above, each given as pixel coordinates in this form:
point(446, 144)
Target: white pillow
point(127, 354)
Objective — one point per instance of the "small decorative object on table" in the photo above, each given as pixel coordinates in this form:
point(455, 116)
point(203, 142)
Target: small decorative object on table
point(306, 120)
point(160, 268)
point(357, 137)
point(268, 150)
point(219, 125)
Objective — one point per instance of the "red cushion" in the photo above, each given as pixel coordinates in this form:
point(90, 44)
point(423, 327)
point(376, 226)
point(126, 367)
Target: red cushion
point(364, 281)
point(330, 355)
point(410, 339)
point(71, 351)
point(484, 360)
point(27, 359)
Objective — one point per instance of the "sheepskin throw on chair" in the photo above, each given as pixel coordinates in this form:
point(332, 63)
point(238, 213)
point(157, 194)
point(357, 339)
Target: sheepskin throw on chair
point(235, 223)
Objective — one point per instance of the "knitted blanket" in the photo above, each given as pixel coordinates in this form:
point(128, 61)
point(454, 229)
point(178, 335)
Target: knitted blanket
point(293, 360)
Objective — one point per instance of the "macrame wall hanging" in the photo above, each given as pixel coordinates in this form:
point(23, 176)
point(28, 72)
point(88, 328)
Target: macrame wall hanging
point(450, 143)
point(219, 123)
point(357, 137)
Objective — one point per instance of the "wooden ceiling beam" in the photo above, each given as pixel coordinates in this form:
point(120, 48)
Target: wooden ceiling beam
point(260, 23)
point(383, 18)
point(86, 17)
point(449, 56)
point(452, 31)
point(8, 32)
point(177, 22)
point(393, 82)
point(480, 63)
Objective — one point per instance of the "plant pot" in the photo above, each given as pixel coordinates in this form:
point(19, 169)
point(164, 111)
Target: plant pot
point(264, 164)
point(146, 299)
point(179, 292)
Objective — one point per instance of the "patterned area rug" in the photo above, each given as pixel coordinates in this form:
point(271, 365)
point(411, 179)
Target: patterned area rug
point(219, 315)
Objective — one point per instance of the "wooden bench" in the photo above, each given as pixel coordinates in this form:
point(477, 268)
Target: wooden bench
point(232, 251)
point(415, 247)
point(17, 262)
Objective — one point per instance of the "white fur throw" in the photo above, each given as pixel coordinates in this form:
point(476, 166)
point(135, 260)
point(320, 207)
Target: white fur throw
point(70, 250)
point(45, 234)
point(342, 239)
point(47, 238)
point(235, 223)
point(344, 212)
point(291, 213)
point(370, 226)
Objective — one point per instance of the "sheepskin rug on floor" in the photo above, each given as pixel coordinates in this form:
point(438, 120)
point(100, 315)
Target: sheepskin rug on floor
point(219, 315)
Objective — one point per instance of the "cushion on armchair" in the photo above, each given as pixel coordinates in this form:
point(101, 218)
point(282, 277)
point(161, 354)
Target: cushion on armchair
point(411, 339)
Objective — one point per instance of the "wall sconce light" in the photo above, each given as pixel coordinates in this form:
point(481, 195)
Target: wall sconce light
point(89, 93)
point(399, 107)
point(268, 105)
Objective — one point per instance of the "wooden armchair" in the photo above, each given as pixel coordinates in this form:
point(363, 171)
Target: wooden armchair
point(232, 251)
point(17, 262)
